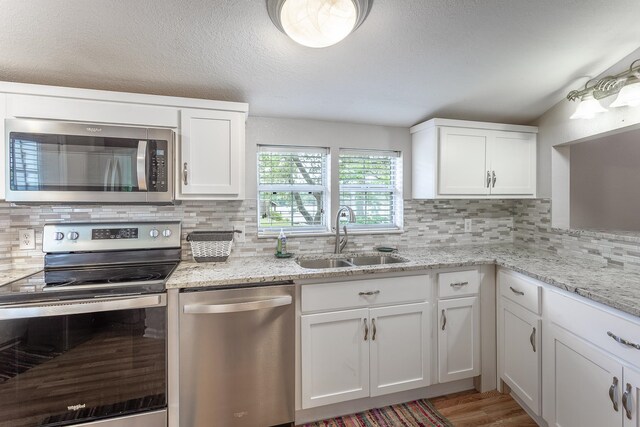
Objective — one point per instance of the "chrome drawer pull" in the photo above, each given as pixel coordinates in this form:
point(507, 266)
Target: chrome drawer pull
point(373, 323)
point(623, 341)
point(366, 329)
point(613, 393)
point(515, 291)
point(458, 284)
point(532, 339)
point(368, 293)
point(627, 401)
point(444, 319)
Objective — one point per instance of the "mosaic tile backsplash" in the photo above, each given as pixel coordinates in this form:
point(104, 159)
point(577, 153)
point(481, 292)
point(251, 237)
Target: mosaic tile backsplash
point(427, 223)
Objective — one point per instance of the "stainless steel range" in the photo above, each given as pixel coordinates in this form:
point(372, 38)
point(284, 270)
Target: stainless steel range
point(84, 341)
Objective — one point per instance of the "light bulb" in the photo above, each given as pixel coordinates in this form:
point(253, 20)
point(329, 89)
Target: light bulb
point(318, 23)
point(588, 108)
point(629, 96)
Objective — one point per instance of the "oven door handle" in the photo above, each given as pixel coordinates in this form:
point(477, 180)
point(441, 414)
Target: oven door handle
point(141, 165)
point(25, 311)
point(238, 306)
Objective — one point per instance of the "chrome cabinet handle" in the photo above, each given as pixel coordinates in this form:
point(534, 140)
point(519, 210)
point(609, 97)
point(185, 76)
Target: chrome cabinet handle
point(613, 393)
point(366, 329)
point(458, 284)
point(185, 174)
point(493, 185)
point(515, 291)
point(368, 293)
point(532, 339)
point(488, 179)
point(444, 319)
point(373, 323)
point(627, 401)
point(623, 341)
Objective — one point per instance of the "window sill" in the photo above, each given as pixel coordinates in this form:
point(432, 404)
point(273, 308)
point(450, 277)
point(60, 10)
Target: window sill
point(329, 234)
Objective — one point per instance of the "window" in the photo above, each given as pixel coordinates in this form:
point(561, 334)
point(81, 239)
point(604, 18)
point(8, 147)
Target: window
point(370, 185)
point(292, 189)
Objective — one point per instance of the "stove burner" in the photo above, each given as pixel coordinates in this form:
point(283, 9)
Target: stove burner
point(144, 277)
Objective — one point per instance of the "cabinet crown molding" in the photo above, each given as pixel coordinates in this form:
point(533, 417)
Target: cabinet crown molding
point(473, 125)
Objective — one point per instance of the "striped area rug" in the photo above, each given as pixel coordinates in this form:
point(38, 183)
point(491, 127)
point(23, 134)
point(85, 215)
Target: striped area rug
point(419, 413)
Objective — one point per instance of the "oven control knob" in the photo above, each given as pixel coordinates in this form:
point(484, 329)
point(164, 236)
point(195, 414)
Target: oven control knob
point(58, 235)
point(73, 235)
point(154, 233)
point(166, 233)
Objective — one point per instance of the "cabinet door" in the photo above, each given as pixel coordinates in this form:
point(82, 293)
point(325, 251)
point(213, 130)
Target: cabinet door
point(462, 169)
point(400, 345)
point(511, 158)
point(335, 357)
point(458, 339)
point(583, 385)
point(631, 401)
point(519, 352)
point(212, 151)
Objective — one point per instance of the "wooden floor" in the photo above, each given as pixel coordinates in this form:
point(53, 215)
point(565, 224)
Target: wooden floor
point(470, 408)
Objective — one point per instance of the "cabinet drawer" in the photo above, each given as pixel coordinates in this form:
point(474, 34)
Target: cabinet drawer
point(594, 323)
point(458, 283)
point(363, 293)
point(521, 290)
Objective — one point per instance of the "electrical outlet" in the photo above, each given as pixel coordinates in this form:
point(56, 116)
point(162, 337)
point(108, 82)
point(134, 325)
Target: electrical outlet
point(27, 238)
point(239, 237)
point(467, 225)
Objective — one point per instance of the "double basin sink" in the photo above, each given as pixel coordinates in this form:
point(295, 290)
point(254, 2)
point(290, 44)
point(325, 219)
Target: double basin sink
point(352, 261)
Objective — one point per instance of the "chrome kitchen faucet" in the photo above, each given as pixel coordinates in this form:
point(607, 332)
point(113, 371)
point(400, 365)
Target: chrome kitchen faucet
point(341, 243)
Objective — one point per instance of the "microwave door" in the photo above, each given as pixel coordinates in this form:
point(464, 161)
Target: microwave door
point(107, 176)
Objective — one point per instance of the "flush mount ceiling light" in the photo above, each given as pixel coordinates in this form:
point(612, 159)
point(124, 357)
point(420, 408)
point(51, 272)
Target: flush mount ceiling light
point(318, 23)
point(625, 84)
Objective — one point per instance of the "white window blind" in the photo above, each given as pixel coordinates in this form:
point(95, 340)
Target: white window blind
point(292, 189)
point(369, 184)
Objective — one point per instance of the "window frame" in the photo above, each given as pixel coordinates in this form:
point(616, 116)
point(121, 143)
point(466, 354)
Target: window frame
point(322, 228)
point(395, 189)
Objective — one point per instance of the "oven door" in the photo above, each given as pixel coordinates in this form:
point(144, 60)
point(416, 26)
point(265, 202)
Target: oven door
point(74, 162)
point(84, 361)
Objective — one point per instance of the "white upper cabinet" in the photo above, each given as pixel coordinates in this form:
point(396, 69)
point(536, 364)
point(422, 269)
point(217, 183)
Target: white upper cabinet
point(459, 159)
point(211, 160)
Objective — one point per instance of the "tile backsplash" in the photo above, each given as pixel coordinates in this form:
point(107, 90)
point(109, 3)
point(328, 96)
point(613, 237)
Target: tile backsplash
point(426, 223)
point(532, 227)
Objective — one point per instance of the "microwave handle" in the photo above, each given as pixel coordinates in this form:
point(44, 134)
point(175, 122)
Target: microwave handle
point(142, 165)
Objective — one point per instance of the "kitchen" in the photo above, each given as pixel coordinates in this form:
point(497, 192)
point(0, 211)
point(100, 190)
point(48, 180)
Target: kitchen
point(440, 221)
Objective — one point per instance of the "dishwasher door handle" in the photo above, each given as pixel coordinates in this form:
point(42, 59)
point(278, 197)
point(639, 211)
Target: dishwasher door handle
point(238, 306)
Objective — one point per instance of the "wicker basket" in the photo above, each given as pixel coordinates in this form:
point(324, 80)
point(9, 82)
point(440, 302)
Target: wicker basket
point(210, 246)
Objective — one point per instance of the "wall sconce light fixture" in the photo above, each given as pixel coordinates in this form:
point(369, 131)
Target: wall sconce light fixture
point(625, 84)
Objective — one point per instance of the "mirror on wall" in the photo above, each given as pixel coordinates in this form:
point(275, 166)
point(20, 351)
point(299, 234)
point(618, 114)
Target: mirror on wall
point(605, 184)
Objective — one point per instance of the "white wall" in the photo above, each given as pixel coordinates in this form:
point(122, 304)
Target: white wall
point(334, 135)
point(555, 127)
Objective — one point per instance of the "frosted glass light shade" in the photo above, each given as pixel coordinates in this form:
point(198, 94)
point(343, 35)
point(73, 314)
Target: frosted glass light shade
point(629, 96)
point(588, 108)
point(318, 23)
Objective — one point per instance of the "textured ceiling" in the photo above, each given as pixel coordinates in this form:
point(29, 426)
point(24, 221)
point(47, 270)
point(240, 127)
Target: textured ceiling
point(507, 60)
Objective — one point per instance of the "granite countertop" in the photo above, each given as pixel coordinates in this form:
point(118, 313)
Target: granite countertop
point(613, 287)
point(12, 275)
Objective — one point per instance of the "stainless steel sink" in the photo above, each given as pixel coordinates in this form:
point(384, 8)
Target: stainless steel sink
point(375, 260)
point(323, 263)
point(356, 261)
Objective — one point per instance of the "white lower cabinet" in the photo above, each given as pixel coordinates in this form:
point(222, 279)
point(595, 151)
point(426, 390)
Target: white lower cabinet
point(584, 383)
point(520, 355)
point(335, 357)
point(365, 352)
point(458, 339)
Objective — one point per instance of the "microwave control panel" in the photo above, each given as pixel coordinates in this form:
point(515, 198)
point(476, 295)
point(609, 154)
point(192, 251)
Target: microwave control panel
point(158, 181)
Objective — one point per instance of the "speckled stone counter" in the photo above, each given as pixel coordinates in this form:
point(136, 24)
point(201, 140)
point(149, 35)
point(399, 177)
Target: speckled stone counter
point(613, 287)
point(9, 276)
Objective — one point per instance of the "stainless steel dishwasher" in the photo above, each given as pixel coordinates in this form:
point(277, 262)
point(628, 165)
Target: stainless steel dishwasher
point(237, 357)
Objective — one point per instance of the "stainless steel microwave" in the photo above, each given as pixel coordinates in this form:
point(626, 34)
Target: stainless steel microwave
point(62, 162)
